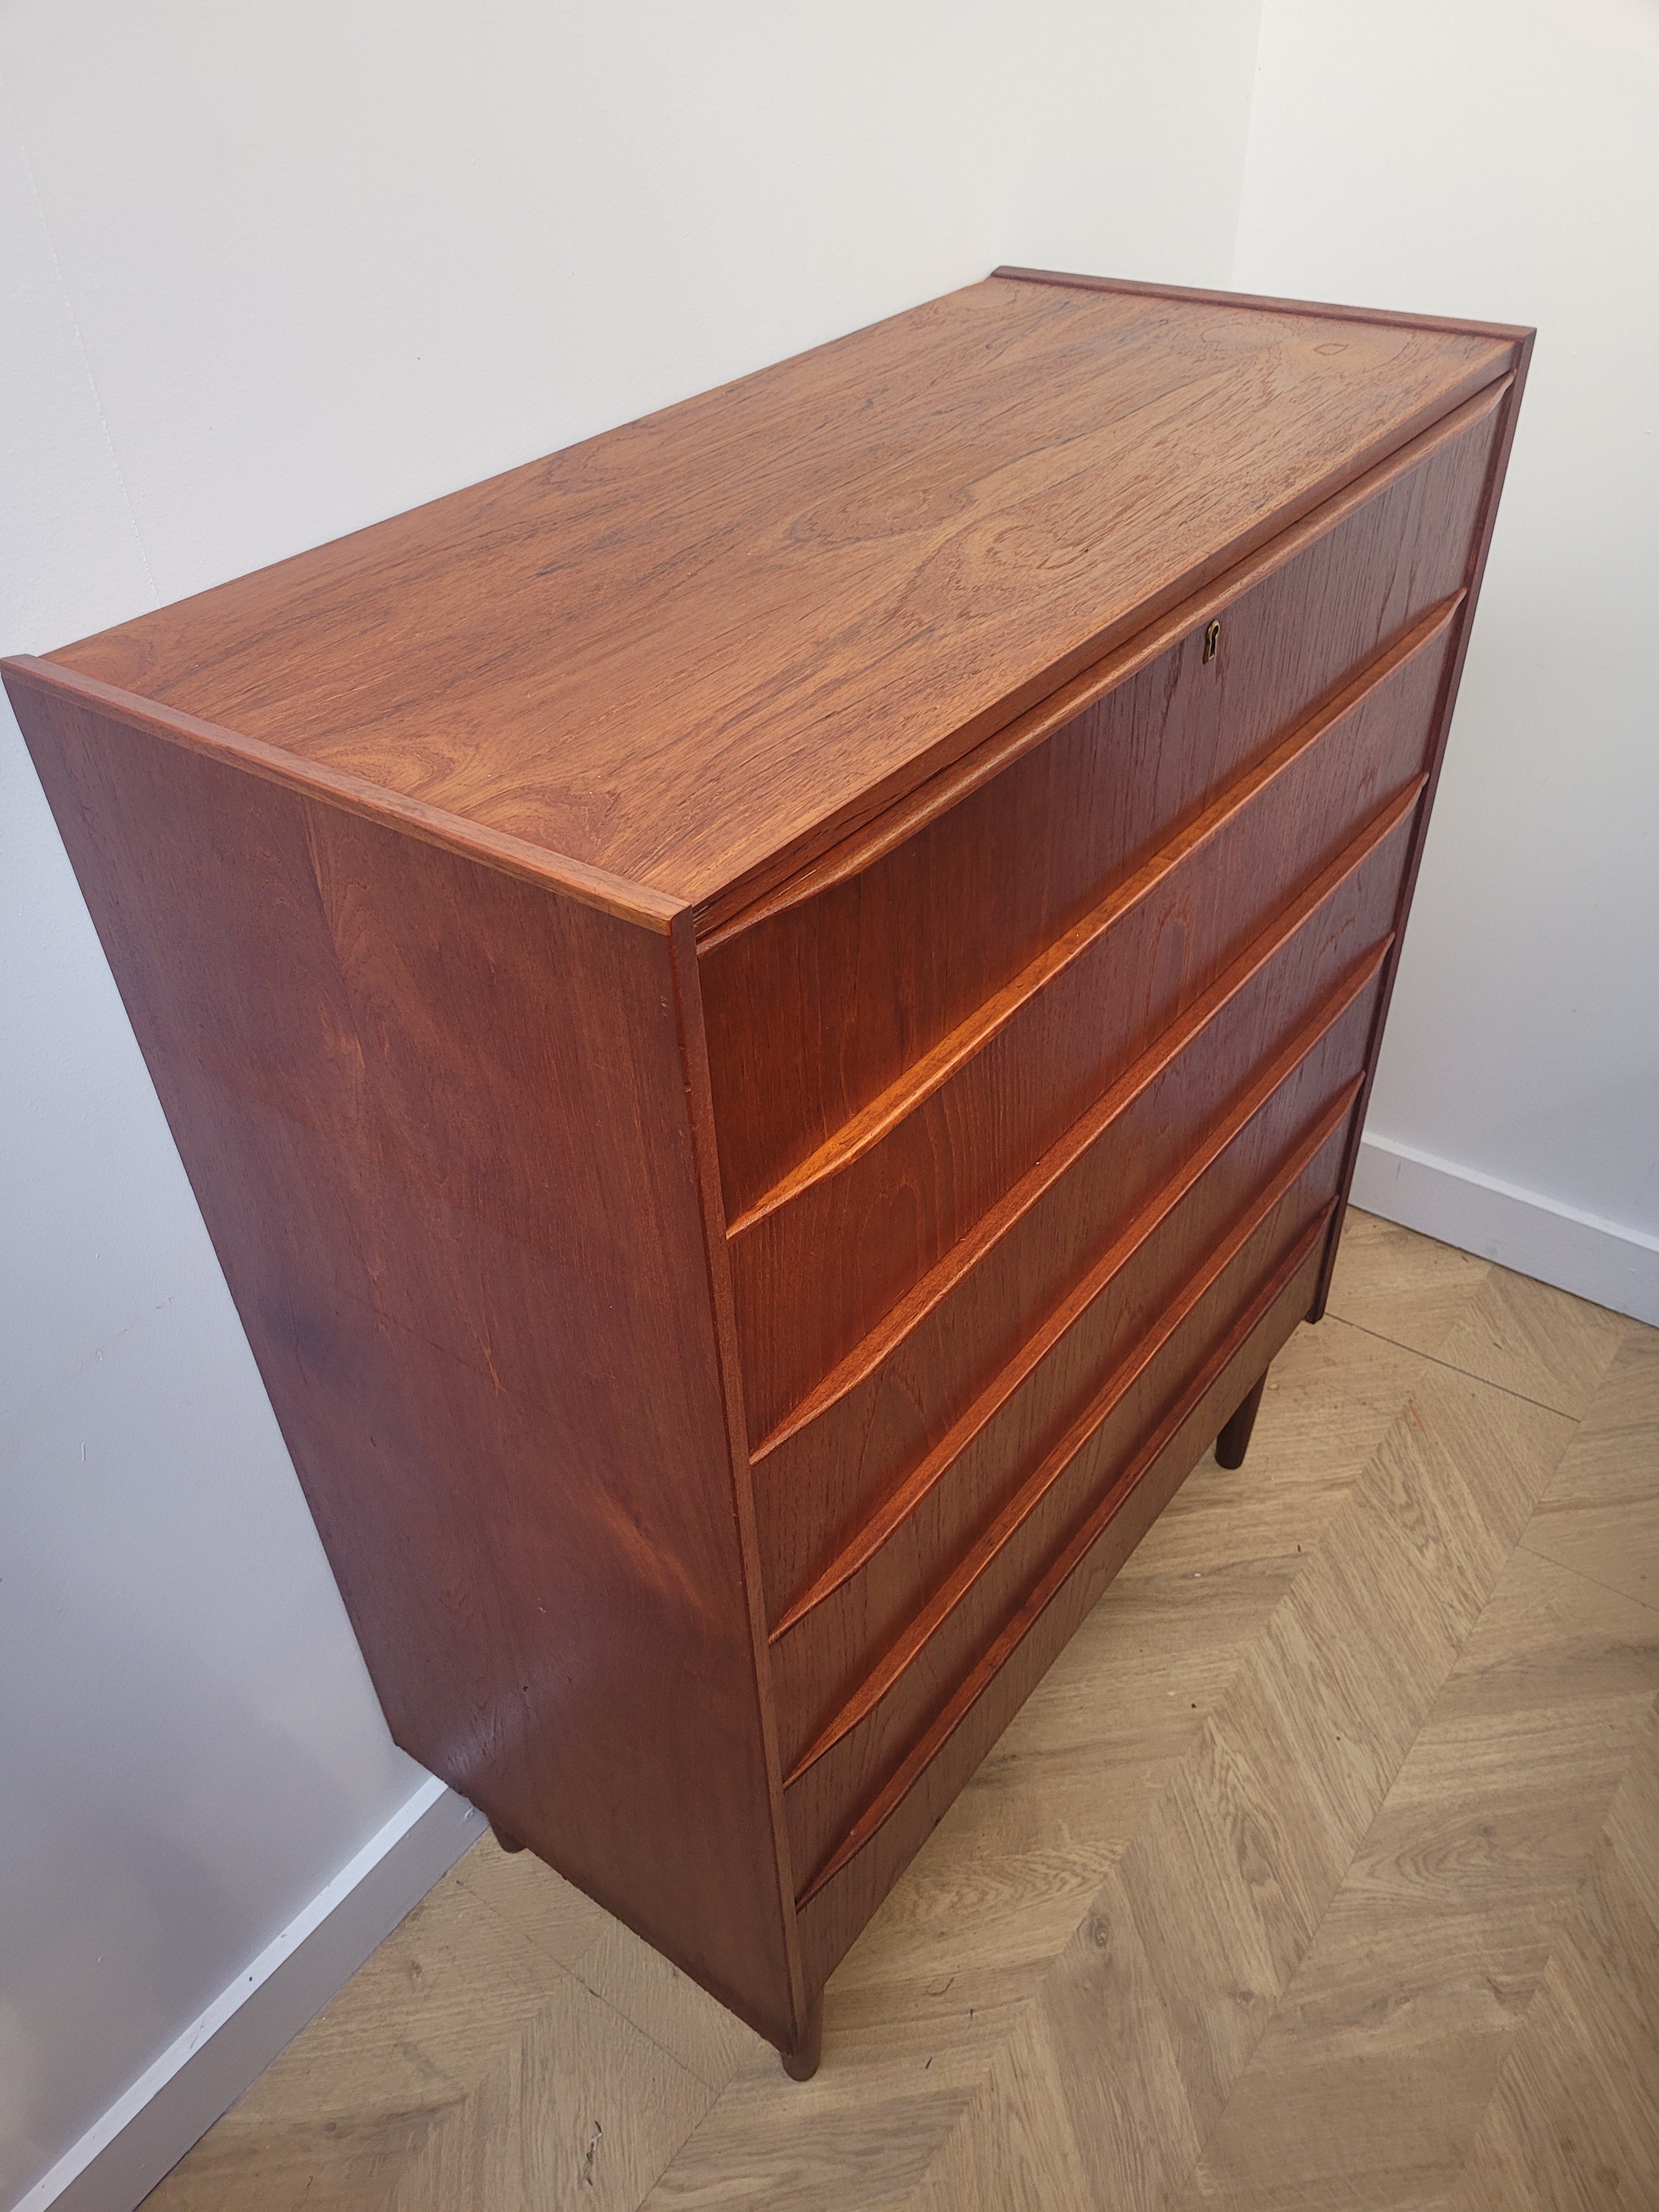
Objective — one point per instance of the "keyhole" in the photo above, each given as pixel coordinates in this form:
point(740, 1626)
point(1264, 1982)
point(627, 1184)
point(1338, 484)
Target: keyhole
point(1212, 639)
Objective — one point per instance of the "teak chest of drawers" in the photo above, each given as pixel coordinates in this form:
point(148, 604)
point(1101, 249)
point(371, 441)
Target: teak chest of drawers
point(770, 1017)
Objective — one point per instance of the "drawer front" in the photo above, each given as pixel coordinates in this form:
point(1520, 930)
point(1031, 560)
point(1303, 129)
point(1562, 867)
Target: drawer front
point(844, 1239)
point(840, 1899)
point(846, 1767)
point(815, 1009)
point(829, 1640)
point(887, 1407)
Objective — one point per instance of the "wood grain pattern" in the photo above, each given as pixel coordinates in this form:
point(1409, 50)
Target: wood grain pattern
point(815, 1007)
point(885, 1574)
point(767, 1016)
point(899, 1185)
point(1307, 799)
point(818, 1476)
point(465, 1248)
point(1468, 1874)
point(1375, 491)
point(892, 1406)
point(1516, 333)
point(28, 678)
point(692, 645)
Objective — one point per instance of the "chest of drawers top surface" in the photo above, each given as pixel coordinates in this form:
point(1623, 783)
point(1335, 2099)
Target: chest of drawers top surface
point(691, 651)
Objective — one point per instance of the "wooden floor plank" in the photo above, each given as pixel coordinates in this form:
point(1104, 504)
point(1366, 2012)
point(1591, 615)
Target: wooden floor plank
point(1505, 1328)
point(349, 2105)
point(1014, 2149)
point(1234, 1870)
point(580, 2109)
point(1538, 1342)
point(1574, 2120)
point(1601, 1515)
point(668, 2006)
point(1402, 1286)
point(542, 1905)
point(1383, 2055)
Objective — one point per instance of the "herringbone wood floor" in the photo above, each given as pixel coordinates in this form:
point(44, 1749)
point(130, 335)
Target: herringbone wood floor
point(1322, 1871)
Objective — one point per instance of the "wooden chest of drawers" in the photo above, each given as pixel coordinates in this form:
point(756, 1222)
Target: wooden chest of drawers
point(769, 1017)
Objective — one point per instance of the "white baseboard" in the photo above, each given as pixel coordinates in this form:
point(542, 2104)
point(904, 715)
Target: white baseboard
point(148, 2129)
point(1593, 1259)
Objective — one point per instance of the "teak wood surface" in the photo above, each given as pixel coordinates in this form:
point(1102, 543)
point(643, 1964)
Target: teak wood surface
point(769, 1017)
point(686, 650)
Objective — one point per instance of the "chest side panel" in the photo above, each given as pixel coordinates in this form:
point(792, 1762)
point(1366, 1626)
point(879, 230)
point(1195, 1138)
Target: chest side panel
point(435, 1117)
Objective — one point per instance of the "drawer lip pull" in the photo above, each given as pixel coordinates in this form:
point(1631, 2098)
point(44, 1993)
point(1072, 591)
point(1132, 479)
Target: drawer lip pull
point(878, 1343)
point(900, 1655)
point(865, 1130)
point(819, 1278)
point(928, 1745)
point(897, 1506)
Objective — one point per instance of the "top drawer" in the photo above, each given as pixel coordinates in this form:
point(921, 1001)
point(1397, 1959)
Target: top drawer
point(821, 998)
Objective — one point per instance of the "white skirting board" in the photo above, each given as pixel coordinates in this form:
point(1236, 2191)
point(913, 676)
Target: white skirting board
point(1535, 1236)
point(148, 2128)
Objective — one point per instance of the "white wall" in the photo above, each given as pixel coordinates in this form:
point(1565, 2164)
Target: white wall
point(270, 274)
point(1500, 158)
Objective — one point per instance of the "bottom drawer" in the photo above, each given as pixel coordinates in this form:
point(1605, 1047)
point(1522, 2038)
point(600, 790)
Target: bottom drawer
point(852, 1761)
point(841, 1898)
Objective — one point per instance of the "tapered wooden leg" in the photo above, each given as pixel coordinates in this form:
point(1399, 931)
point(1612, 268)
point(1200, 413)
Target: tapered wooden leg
point(801, 2063)
point(507, 1843)
point(1234, 1441)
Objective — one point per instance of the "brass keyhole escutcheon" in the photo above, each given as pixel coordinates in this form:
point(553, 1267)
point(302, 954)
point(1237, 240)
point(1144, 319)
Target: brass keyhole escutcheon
point(1212, 639)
